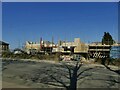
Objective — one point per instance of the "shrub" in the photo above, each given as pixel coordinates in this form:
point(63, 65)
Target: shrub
point(7, 54)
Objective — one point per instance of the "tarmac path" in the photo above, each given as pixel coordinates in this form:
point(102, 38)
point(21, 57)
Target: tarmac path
point(24, 74)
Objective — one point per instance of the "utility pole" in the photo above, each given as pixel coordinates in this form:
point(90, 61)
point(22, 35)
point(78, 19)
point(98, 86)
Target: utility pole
point(88, 55)
point(96, 51)
point(19, 43)
point(52, 44)
point(40, 43)
point(59, 43)
point(65, 45)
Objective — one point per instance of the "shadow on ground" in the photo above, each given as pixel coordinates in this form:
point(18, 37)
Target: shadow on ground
point(64, 75)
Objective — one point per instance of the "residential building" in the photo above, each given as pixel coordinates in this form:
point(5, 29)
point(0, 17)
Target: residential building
point(3, 47)
point(77, 46)
point(97, 50)
point(92, 50)
point(39, 47)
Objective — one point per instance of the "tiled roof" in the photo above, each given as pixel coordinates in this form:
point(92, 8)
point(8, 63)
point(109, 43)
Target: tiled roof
point(3, 43)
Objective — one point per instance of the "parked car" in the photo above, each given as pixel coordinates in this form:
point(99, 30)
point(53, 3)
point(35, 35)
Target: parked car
point(18, 51)
point(77, 57)
point(66, 57)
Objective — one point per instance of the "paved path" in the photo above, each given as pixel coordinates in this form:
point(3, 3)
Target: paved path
point(36, 75)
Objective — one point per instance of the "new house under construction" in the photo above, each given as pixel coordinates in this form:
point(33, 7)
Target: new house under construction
point(93, 50)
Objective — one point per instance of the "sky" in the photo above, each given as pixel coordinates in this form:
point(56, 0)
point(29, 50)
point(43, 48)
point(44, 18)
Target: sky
point(0, 21)
point(29, 21)
point(60, 0)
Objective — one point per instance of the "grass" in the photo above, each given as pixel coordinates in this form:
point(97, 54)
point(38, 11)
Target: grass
point(29, 56)
point(55, 57)
point(108, 61)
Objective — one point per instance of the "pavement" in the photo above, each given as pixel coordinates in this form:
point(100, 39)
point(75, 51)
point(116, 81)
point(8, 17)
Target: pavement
point(47, 74)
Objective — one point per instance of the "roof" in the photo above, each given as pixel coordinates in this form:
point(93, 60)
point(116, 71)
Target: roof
point(3, 43)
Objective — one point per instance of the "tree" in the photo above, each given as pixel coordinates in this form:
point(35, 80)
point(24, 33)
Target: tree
point(107, 39)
